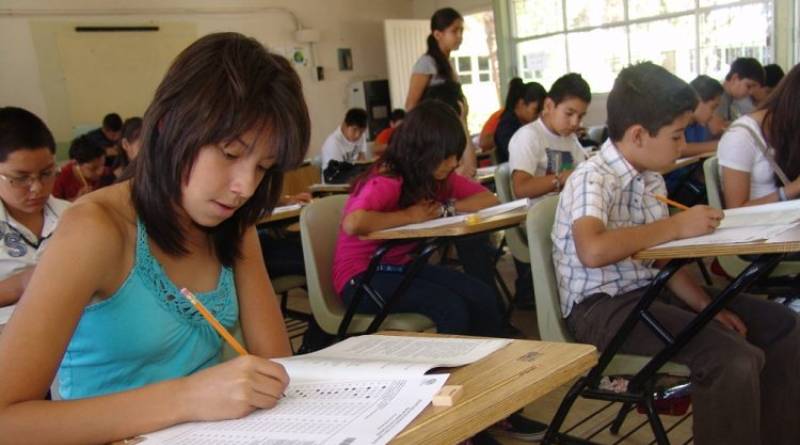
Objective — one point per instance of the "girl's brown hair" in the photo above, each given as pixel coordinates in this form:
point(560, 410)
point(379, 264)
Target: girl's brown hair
point(781, 126)
point(218, 88)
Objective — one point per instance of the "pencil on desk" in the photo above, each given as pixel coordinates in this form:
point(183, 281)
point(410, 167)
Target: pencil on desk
point(670, 202)
point(213, 322)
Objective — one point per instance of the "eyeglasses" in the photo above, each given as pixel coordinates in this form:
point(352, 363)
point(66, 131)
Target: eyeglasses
point(26, 182)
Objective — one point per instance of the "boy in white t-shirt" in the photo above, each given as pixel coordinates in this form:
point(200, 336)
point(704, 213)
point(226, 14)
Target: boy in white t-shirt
point(28, 212)
point(544, 152)
point(348, 142)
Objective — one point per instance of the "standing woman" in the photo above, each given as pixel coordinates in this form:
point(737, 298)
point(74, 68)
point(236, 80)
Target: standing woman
point(433, 67)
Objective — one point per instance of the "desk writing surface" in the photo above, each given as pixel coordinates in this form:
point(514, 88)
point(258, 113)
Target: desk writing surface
point(497, 386)
point(329, 188)
point(786, 242)
point(492, 223)
point(280, 215)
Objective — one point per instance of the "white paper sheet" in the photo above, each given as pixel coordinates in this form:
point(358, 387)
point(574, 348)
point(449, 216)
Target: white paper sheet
point(486, 171)
point(352, 413)
point(286, 208)
point(762, 215)
point(732, 235)
point(388, 356)
point(485, 213)
point(5, 313)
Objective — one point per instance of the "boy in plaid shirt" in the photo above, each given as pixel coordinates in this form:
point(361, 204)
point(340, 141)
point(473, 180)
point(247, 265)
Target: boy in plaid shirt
point(744, 365)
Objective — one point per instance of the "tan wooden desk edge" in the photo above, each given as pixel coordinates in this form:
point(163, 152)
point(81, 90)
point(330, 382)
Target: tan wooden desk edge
point(458, 229)
point(718, 250)
point(280, 216)
point(497, 386)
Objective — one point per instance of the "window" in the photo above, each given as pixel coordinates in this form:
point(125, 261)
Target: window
point(597, 38)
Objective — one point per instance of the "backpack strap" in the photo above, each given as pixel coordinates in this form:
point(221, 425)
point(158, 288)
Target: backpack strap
point(765, 151)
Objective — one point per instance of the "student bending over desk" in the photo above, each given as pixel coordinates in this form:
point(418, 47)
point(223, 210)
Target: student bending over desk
point(745, 366)
point(28, 213)
point(414, 182)
point(103, 307)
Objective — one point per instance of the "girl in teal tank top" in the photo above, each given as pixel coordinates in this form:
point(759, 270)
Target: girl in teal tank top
point(103, 315)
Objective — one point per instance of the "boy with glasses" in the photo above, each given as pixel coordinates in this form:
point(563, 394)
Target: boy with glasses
point(28, 212)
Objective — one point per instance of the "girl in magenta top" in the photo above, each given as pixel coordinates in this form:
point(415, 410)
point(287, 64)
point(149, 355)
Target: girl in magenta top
point(414, 182)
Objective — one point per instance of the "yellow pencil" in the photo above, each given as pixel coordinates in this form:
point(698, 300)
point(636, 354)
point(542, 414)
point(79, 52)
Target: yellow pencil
point(213, 322)
point(670, 202)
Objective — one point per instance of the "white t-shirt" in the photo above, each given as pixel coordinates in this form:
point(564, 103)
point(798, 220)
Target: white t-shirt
point(337, 147)
point(19, 247)
point(532, 146)
point(739, 151)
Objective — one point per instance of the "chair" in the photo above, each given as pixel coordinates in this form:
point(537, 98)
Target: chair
point(319, 227)
point(552, 327)
point(515, 236)
point(733, 265)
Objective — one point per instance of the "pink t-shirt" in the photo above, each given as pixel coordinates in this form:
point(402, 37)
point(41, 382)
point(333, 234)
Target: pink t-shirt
point(381, 194)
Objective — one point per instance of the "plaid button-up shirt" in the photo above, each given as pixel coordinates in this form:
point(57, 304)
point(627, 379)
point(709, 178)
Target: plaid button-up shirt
point(608, 188)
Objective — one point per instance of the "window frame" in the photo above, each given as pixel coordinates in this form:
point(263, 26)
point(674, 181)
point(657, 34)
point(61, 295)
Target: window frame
point(626, 23)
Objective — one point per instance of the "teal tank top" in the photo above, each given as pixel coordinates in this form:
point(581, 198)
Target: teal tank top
point(145, 333)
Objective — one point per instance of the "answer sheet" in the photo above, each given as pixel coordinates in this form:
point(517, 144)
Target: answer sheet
point(338, 413)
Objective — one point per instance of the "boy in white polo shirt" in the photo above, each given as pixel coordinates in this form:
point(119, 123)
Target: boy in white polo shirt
point(543, 153)
point(347, 143)
point(744, 365)
point(28, 213)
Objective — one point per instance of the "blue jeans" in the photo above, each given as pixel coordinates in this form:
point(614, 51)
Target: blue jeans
point(455, 302)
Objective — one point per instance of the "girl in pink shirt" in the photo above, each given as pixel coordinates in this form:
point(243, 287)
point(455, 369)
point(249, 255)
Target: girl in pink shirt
point(414, 182)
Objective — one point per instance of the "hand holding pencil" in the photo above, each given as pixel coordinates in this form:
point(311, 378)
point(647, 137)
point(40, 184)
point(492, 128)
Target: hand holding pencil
point(693, 221)
point(235, 388)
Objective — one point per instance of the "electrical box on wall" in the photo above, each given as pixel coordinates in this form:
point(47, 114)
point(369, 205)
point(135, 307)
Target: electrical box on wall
point(373, 96)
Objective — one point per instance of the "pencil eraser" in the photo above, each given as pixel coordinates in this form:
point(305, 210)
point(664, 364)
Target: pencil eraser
point(473, 219)
point(448, 395)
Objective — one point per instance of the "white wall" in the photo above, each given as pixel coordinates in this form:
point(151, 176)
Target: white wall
point(424, 9)
point(35, 38)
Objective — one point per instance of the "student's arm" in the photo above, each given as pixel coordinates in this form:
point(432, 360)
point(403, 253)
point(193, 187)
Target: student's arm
point(486, 140)
point(527, 185)
point(12, 287)
point(261, 319)
point(416, 89)
point(33, 343)
point(362, 222)
point(717, 125)
point(685, 287)
point(697, 148)
point(737, 190)
point(476, 202)
point(598, 246)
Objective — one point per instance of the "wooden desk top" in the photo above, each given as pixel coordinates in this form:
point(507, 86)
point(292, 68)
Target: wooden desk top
point(683, 162)
point(501, 221)
point(497, 386)
point(787, 242)
point(329, 188)
point(281, 216)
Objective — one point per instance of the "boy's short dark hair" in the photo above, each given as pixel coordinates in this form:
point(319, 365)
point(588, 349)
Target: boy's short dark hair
point(648, 95)
point(220, 87)
point(707, 88)
point(356, 117)
point(570, 85)
point(773, 74)
point(747, 68)
point(112, 122)
point(397, 114)
point(20, 129)
point(83, 150)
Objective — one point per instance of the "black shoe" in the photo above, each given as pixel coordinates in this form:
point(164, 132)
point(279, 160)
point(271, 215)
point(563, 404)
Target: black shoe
point(520, 428)
point(483, 438)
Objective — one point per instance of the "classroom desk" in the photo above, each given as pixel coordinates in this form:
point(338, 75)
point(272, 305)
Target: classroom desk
point(498, 386)
point(683, 162)
point(769, 252)
point(485, 175)
point(496, 222)
point(328, 189)
point(279, 214)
